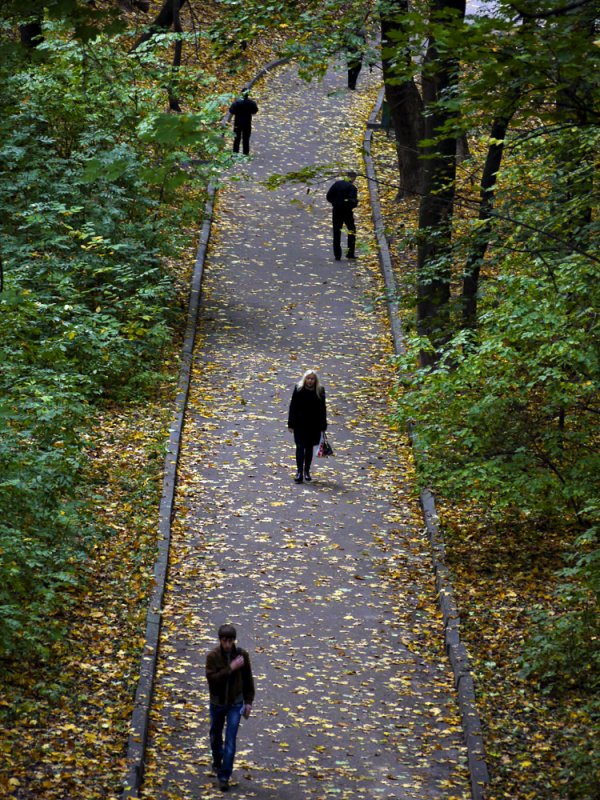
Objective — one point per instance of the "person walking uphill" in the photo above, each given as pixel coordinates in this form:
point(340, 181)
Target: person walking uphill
point(343, 197)
point(231, 685)
point(243, 110)
point(307, 418)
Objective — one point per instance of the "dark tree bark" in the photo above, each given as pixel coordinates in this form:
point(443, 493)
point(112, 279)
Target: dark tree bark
point(31, 34)
point(173, 101)
point(486, 193)
point(435, 212)
point(462, 149)
point(163, 22)
point(574, 104)
point(405, 104)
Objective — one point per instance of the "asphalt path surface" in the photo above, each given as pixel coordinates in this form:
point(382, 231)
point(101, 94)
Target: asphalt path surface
point(329, 584)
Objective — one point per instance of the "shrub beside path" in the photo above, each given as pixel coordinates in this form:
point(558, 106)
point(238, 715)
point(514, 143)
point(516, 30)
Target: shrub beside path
point(329, 583)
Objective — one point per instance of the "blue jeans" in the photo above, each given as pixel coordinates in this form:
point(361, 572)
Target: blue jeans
point(223, 755)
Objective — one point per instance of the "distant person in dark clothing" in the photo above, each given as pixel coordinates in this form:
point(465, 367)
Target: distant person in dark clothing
point(307, 418)
point(243, 110)
point(231, 685)
point(354, 56)
point(344, 198)
point(354, 68)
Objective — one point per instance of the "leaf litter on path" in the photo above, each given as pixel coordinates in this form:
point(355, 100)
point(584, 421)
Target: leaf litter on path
point(329, 583)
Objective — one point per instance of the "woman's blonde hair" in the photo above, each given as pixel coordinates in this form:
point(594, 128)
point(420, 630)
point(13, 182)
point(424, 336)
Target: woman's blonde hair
point(318, 387)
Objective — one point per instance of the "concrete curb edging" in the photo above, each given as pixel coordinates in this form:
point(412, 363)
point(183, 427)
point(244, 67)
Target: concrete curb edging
point(382, 245)
point(266, 69)
point(140, 719)
point(455, 649)
point(138, 735)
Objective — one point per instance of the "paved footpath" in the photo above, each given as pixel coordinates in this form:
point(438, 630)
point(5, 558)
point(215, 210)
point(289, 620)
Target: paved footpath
point(329, 584)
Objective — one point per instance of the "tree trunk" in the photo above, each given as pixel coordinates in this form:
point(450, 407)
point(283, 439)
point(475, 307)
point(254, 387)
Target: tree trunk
point(405, 104)
point(31, 34)
point(163, 22)
point(435, 212)
point(486, 194)
point(173, 100)
point(574, 105)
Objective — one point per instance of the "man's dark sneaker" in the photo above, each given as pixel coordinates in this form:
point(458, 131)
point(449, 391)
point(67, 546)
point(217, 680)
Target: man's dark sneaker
point(298, 477)
point(352, 257)
point(307, 476)
point(224, 786)
point(215, 768)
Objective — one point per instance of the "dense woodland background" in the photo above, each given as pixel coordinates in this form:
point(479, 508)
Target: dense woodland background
point(109, 134)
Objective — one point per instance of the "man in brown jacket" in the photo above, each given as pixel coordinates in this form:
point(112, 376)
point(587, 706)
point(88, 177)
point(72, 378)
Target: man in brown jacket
point(229, 676)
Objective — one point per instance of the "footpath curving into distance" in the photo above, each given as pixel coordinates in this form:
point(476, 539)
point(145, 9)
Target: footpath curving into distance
point(261, 559)
point(138, 735)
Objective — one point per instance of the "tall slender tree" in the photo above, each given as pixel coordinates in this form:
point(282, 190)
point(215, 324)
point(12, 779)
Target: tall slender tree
point(441, 128)
point(402, 96)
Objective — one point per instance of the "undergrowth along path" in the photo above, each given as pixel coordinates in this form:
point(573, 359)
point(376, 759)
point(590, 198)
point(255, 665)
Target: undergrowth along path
point(330, 583)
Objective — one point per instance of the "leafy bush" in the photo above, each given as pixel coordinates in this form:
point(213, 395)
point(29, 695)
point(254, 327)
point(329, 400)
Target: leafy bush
point(508, 416)
point(563, 656)
point(89, 196)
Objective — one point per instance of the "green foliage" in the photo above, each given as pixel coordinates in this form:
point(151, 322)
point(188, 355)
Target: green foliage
point(563, 655)
point(310, 176)
point(311, 33)
point(91, 174)
point(507, 417)
point(511, 421)
point(563, 652)
point(85, 19)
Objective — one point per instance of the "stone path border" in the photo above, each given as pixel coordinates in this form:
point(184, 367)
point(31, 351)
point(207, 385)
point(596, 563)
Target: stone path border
point(138, 730)
point(455, 649)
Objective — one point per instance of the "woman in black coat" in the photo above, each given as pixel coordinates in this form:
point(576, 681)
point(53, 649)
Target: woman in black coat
point(307, 419)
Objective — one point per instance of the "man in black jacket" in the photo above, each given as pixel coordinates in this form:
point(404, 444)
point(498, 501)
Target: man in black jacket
point(229, 676)
point(343, 198)
point(243, 110)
